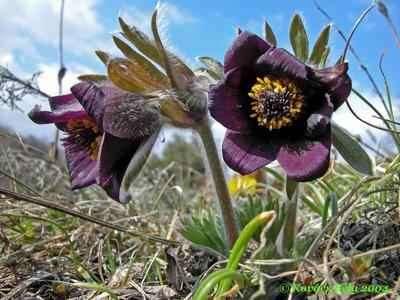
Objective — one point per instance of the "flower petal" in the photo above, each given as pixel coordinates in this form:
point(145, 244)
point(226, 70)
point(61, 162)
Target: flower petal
point(245, 50)
point(127, 116)
point(82, 166)
point(247, 153)
point(63, 108)
point(92, 97)
point(279, 61)
point(318, 122)
point(136, 164)
point(228, 103)
point(336, 81)
point(306, 161)
point(115, 155)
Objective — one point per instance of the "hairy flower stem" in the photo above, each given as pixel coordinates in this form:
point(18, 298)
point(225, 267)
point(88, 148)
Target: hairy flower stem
point(217, 174)
point(288, 234)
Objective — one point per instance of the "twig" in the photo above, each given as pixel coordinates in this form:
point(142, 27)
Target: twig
point(331, 263)
point(61, 73)
point(71, 212)
point(331, 238)
point(358, 59)
point(333, 220)
point(385, 12)
point(25, 146)
point(168, 236)
point(12, 77)
point(15, 180)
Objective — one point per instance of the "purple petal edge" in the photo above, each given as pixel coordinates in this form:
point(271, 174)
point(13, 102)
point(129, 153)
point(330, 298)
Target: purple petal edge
point(308, 160)
point(246, 153)
point(245, 50)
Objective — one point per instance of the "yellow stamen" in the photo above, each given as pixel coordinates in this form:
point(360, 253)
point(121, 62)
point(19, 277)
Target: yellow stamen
point(276, 102)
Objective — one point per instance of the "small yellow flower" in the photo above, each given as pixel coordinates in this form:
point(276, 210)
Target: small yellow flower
point(242, 185)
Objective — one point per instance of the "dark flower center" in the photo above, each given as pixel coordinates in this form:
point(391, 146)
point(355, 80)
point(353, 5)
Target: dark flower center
point(276, 102)
point(85, 133)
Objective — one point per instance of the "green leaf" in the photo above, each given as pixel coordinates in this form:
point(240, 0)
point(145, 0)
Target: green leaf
point(258, 222)
point(330, 202)
point(251, 207)
point(351, 150)
point(205, 229)
point(311, 205)
point(179, 74)
point(320, 46)
point(213, 65)
point(207, 72)
point(299, 39)
point(122, 73)
point(144, 68)
point(141, 41)
point(104, 56)
point(207, 285)
point(325, 56)
point(175, 68)
point(92, 77)
point(269, 34)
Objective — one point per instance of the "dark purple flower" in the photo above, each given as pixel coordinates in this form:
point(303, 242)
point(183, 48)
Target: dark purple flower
point(98, 146)
point(276, 108)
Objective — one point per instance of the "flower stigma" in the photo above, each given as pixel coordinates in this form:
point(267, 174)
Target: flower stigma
point(276, 102)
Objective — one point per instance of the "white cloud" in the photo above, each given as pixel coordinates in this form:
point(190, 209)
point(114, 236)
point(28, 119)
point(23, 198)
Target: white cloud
point(48, 81)
point(19, 122)
point(31, 29)
point(6, 59)
point(346, 119)
point(176, 15)
point(169, 14)
point(31, 24)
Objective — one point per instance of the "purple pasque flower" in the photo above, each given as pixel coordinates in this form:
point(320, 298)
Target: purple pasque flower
point(276, 108)
point(98, 146)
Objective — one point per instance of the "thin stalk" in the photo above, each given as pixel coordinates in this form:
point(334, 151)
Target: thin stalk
point(394, 30)
point(385, 12)
point(218, 177)
point(387, 87)
point(358, 22)
point(394, 133)
point(362, 66)
point(61, 72)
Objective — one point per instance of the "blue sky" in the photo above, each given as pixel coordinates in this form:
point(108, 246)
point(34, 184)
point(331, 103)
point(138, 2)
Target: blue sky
point(195, 28)
point(208, 27)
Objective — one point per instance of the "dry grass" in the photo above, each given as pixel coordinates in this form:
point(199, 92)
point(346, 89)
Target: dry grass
point(96, 254)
